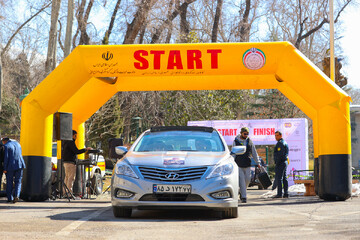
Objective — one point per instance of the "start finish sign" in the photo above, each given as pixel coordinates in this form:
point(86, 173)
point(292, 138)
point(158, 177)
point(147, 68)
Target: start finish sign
point(262, 132)
point(174, 59)
point(179, 60)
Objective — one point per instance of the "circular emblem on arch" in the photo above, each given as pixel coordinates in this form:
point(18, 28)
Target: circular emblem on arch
point(254, 59)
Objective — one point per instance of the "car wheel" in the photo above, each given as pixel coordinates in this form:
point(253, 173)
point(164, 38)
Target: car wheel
point(122, 212)
point(230, 212)
point(97, 184)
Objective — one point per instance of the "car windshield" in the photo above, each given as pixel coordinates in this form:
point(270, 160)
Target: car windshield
point(180, 141)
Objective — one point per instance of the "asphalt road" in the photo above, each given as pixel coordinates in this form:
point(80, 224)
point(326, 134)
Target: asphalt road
point(294, 218)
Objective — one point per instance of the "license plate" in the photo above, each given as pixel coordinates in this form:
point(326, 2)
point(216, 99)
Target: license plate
point(163, 188)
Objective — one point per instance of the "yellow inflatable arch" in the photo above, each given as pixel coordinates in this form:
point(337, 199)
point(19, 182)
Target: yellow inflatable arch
point(91, 75)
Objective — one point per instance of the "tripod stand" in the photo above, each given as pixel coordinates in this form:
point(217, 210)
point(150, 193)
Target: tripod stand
point(113, 161)
point(87, 163)
point(61, 188)
point(87, 187)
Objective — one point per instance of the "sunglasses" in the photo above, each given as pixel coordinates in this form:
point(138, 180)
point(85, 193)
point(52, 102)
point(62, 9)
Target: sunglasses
point(245, 133)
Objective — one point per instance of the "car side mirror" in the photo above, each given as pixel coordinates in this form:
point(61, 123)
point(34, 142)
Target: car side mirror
point(121, 150)
point(238, 150)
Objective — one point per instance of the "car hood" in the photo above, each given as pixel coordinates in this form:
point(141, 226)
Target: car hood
point(175, 159)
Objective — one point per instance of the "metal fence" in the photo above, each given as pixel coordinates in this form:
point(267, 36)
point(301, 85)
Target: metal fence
point(303, 175)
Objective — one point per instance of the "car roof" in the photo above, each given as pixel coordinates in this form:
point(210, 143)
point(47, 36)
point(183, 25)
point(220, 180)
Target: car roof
point(181, 128)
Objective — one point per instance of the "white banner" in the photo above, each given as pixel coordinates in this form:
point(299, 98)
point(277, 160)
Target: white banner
point(262, 132)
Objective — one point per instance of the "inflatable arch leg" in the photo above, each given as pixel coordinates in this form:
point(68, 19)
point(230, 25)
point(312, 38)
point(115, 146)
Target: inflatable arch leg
point(334, 169)
point(36, 139)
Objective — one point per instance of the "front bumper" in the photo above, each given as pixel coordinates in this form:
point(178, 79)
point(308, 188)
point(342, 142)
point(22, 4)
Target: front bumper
point(200, 196)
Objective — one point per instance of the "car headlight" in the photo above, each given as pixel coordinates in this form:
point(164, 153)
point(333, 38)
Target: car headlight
point(222, 170)
point(125, 169)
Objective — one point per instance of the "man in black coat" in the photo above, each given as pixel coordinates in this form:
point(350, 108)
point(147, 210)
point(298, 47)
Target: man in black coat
point(281, 152)
point(69, 156)
point(244, 161)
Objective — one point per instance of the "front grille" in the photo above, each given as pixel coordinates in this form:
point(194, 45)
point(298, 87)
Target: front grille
point(182, 174)
point(172, 197)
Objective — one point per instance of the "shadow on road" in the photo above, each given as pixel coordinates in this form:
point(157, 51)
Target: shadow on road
point(144, 216)
point(60, 204)
point(286, 201)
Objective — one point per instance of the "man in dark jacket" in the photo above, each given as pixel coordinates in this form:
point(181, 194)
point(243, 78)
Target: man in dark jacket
point(244, 161)
point(281, 152)
point(69, 156)
point(13, 168)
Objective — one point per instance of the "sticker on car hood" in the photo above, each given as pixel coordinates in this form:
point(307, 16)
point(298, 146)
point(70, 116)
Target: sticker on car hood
point(174, 161)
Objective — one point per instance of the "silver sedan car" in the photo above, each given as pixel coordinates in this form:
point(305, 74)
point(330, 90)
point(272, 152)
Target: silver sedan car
point(176, 168)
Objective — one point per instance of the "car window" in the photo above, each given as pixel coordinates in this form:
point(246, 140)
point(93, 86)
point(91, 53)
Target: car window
point(54, 150)
point(180, 141)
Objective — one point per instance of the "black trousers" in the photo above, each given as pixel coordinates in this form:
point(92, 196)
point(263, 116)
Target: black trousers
point(281, 179)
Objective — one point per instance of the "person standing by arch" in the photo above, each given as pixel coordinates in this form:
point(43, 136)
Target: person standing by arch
point(13, 168)
point(244, 161)
point(69, 156)
point(281, 152)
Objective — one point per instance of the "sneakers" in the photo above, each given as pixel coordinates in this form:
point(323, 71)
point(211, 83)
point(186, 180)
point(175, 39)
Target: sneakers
point(243, 200)
point(286, 196)
point(15, 199)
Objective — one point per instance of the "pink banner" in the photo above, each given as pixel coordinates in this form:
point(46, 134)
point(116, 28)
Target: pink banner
point(294, 130)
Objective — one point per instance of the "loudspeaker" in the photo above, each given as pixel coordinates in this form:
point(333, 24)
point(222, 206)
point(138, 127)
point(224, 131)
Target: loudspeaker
point(114, 142)
point(62, 126)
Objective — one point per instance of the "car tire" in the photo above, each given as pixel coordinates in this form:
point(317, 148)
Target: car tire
point(230, 212)
point(121, 212)
point(97, 184)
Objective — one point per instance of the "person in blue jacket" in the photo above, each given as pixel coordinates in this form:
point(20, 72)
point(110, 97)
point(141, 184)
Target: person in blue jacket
point(281, 152)
point(13, 168)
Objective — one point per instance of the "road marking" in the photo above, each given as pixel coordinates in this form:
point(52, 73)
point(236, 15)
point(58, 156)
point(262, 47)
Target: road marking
point(74, 225)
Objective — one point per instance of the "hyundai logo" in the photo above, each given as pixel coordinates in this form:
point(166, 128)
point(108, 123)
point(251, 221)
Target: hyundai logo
point(172, 175)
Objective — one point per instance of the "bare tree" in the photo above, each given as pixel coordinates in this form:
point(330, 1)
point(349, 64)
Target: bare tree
point(244, 23)
point(21, 26)
point(111, 25)
point(169, 32)
point(354, 93)
point(216, 21)
point(51, 53)
point(303, 24)
point(1, 83)
point(301, 34)
point(184, 24)
point(82, 17)
point(171, 17)
point(69, 25)
point(140, 16)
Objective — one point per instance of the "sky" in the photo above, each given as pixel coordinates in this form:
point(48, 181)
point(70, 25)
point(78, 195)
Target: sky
point(351, 45)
